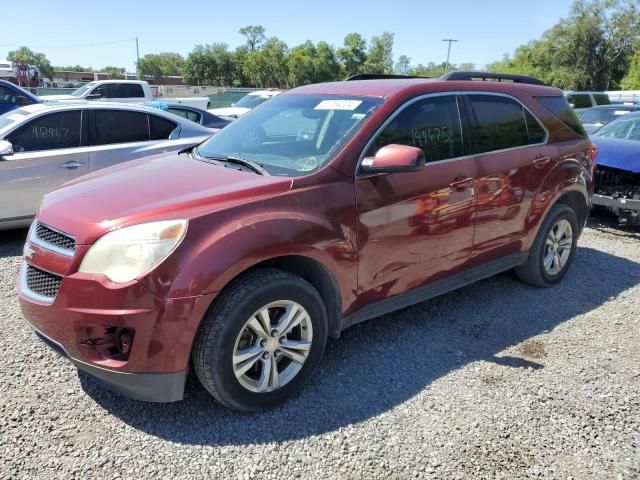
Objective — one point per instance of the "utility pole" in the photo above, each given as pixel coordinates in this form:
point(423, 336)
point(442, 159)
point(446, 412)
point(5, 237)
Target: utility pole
point(138, 59)
point(450, 40)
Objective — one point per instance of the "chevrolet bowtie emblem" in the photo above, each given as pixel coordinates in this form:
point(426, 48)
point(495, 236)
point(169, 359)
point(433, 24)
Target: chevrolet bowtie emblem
point(28, 252)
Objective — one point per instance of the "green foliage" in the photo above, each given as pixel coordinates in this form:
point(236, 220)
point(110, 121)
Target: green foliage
point(114, 72)
point(267, 67)
point(255, 36)
point(353, 54)
point(210, 65)
point(589, 50)
point(74, 68)
point(380, 54)
point(23, 54)
point(158, 65)
point(631, 81)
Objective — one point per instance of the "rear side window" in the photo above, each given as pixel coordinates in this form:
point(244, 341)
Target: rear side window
point(160, 128)
point(130, 90)
point(498, 123)
point(560, 107)
point(580, 100)
point(48, 132)
point(432, 124)
point(118, 126)
point(601, 99)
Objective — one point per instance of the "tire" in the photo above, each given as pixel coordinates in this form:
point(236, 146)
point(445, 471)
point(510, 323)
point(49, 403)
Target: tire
point(534, 271)
point(224, 337)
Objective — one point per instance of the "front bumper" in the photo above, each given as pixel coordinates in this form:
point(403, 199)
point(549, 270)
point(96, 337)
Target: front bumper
point(148, 387)
point(612, 202)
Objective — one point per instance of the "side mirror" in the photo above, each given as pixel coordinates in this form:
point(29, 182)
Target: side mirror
point(394, 158)
point(94, 96)
point(6, 148)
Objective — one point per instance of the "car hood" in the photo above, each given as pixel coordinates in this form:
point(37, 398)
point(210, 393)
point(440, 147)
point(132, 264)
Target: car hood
point(616, 153)
point(229, 111)
point(165, 186)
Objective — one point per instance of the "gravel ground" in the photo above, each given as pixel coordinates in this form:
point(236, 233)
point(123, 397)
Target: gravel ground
point(499, 380)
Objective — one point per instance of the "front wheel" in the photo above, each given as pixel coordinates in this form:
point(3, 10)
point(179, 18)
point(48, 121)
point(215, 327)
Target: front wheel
point(261, 340)
point(553, 249)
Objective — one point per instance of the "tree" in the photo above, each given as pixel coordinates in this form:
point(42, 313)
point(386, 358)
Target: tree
point(158, 65)
point(631, 81)
point(380, 56)
point(301, 64)
point(267, 67)
point(74, 68)
point(255, 36)
point(403, 66)
point(210, 65)
point(326, 65)
point(39, 60)
point(114, 72)
point(353, 54)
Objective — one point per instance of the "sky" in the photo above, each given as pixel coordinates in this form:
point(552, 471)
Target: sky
point(485, 30)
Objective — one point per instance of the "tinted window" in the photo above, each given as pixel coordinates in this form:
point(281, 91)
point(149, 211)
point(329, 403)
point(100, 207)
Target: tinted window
point(580, 100)
point(537, 133)
point(130, 90)
point(108, 90)
point(47, 132)
point(559, 106)
point(160, 128)
point(601, 99)
point(496, 123)
point(7, 96)
point(118, 126)
point(432, 125)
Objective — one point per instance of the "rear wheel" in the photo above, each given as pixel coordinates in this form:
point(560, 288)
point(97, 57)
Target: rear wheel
point(261, 340)
point(553, 249)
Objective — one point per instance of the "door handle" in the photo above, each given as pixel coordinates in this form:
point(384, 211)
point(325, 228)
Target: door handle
point(72, 164)
point(460, 184)
point(541, 162)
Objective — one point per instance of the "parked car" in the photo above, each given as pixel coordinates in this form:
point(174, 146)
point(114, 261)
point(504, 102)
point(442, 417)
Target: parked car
point(45, 145)
point(122, 91)
point(326, 206)
point(625, 101)
point(246, 103)
point(594, 118)
point(579, 100)
point(617, 180)
point(6, 69)
point(198, 115)
point(12, 96)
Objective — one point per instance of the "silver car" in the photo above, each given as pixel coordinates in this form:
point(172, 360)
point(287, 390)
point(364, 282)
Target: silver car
point(45, 145)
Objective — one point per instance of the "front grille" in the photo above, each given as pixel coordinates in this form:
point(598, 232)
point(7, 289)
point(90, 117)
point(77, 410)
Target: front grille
point(617, 183)
point(42, 283)
point(53, 237)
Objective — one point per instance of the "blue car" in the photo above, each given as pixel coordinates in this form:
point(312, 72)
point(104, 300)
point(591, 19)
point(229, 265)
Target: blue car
point(12, 97)
point(617, 181)
point(198, 115)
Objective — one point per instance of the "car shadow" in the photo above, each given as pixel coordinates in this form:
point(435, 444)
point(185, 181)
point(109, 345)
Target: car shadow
point(12, 242)
point(604, 220)
point(378, 365)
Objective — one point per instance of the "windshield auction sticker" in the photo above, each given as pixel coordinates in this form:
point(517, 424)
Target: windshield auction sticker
point(338, 105)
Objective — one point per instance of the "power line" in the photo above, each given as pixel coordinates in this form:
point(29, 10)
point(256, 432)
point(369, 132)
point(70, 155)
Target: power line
point(70, 46)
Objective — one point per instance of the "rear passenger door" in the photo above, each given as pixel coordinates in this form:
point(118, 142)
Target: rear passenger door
point(509, 144)
point(117, 136)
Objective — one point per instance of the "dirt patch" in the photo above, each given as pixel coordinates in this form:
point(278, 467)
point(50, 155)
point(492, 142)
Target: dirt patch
point(532, 349)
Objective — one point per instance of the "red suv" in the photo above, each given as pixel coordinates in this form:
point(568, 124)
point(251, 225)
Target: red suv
point(328, 205)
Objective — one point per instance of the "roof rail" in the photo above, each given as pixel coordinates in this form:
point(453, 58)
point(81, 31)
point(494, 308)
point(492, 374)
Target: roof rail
point(491, 77)
point(377, 76)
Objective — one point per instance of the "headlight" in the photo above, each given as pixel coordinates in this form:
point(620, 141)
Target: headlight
point(129, 252)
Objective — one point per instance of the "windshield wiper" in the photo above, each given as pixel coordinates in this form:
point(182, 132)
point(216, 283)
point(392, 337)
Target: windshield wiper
point(243, 162)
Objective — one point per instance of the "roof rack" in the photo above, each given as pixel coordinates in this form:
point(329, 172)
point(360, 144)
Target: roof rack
point(377, 76)
point(491, 77)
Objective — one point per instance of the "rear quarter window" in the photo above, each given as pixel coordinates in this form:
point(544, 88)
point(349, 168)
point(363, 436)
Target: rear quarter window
point(559, 106)
point(602, 98)
point(160, 128)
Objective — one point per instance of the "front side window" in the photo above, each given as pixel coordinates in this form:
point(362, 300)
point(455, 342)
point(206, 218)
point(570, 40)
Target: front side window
point(432, 124)
point(293, 135)
point(118, 126)
point(48, 132)
point(498, 123)
point(7, 96)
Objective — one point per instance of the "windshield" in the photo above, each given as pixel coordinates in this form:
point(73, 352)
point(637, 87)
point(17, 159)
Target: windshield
point(601, 116)
point(79, 92)
point(251, 101)
point(292, 135)
point(623, 128)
